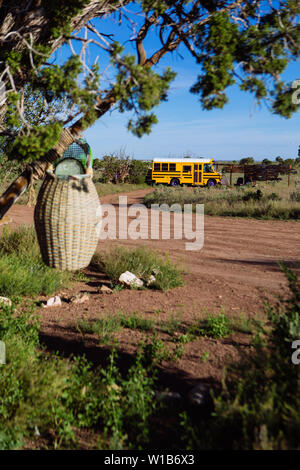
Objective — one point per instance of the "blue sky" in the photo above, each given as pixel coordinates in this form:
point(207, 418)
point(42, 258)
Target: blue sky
point(241, 129)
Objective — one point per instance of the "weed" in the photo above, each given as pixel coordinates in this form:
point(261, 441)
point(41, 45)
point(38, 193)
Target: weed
point(154, 352)
point(80, 276)
point(172, 325)
point(103, 327)
point(52, 396)
point(22, 271)
point(127, 404)
point(214, 327)
point(258, 407)
point(262, 202)
point(184, 338)
point(142, 262)
point(246, 325)
point(134, 322)
point(295, 196)
point(117, 287)
point(205, 356)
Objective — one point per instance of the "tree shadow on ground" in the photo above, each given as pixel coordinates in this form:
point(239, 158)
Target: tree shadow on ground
point(68, 343)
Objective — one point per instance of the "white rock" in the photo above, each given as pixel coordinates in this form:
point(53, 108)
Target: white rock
point(130, 279)
point(5, 301)
point(199, 395)
point(168, 396)
point(53, 302)
point(151, 280)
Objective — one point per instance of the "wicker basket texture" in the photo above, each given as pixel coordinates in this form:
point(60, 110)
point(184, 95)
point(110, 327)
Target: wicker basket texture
point(67, 221)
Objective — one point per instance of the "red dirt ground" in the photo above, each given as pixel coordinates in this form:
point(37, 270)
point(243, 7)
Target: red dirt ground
point(236, 271)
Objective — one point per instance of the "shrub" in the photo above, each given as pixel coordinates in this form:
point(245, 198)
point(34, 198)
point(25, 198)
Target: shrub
point(102, 327)
point(114, 168)
point(295, 196)
point(258, 407)
point(239, 201)
point(142, 262)
point(138, 171)
point(134, 322)
point(250, 195)
point(43, 394)
point(30, 383)
point(215, 326)
point(22, 271)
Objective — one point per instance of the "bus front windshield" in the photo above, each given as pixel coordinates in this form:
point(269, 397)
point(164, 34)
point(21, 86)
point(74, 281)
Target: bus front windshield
point(208, 168)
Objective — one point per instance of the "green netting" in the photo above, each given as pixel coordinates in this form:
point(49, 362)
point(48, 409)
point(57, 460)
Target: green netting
point(79, 150)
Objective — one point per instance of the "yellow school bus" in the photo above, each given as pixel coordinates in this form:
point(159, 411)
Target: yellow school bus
point(189, 171)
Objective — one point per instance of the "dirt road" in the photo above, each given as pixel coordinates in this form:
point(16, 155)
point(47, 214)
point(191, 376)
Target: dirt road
point(237, 268)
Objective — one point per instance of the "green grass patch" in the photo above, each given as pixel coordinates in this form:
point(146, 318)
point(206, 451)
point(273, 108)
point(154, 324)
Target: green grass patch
point(258, 407)
point(265, 201)
point(22, 271)
point(43, 394)
point(105, 189)
point(105, 327)
point(142, 262)
point(134, 322)
point(217, 326)
point(154, 352)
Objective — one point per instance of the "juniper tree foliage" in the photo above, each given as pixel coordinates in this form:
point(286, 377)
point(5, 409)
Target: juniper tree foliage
point(248, 43)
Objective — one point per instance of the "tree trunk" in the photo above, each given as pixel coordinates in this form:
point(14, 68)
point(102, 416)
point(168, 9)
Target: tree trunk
point(23, 18)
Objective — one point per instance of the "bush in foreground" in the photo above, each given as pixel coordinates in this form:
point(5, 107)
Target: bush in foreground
point(43, 394)
point(259, 405)
point(48, 396)
point(140, 261)
point(22, 271)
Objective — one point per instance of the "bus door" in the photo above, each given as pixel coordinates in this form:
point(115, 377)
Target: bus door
point(197, 173)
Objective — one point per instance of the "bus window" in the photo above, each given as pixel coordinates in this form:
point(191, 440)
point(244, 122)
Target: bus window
point(164, 167)
point(207, 168)
point(156, 166)
point(187, 169)
point(172, 166)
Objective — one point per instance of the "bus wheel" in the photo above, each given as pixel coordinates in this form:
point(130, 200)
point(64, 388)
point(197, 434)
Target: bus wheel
point(211, 183)
point(175, 182)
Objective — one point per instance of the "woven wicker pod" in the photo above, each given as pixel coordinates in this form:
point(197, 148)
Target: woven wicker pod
point(67, 220)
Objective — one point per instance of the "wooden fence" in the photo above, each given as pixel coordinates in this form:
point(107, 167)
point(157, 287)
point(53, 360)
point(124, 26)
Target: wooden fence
point(260, 172)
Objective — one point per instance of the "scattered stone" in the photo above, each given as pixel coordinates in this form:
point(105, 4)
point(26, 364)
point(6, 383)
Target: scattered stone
point(130, 280)
point(168, 396)
point(53, 302)
point(151, 280)
point(5, 301)
point(199, 395)
point(105, 290)
point(80, 298)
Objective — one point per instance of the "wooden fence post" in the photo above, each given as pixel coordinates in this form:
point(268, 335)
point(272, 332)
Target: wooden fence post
point(289, 180)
